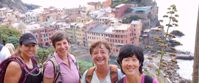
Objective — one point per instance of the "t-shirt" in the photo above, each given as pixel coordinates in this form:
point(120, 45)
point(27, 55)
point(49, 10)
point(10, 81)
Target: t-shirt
point(69, 74)
point(142, 79)
point(4, 54)
point(96, 80)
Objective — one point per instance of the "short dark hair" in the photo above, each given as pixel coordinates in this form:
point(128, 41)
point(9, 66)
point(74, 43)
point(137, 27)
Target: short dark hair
point(58, 36)
point(129, 51)
point(99, 43)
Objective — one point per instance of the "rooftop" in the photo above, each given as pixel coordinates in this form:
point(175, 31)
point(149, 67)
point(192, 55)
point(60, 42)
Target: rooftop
point(145, 9)
point(99, 28)
point(120, 5)
point(120, 27)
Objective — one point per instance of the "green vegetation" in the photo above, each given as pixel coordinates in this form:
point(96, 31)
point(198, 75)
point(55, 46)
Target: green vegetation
point(42, 54)
point(171, 17)
point(9, 35)
point(129, 19)
point(84, 65)
point(164, 43)
point(117, 2)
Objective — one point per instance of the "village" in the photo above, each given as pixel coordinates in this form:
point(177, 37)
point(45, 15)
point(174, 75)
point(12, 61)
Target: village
point(134, 22)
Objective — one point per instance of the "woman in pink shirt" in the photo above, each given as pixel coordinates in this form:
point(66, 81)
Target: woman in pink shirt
point(66, 62)
point(131, 60)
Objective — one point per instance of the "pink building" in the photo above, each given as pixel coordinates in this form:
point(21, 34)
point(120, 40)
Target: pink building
point(107, 3)
point(120, 10)
point(116, 35)
point(50, 14)
point(43, 35)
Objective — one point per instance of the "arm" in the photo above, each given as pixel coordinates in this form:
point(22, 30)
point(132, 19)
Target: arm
point(155, 81)
point(48, 73)
point(83, 79)
point(13, 73)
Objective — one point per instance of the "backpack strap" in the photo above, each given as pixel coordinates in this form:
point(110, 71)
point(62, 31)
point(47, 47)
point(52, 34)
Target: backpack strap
point(113, 74)
point(121, 80)
point(148, 79)
point(89, 74)
point(56, 68)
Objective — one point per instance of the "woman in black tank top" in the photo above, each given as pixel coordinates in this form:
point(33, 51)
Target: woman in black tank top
point(24, 69)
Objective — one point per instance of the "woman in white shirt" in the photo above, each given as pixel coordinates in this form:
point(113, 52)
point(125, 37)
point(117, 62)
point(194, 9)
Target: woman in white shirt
point(102, 72)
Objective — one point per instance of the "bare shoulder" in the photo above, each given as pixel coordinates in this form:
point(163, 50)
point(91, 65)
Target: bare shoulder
point(13, 72)
point(13, 68)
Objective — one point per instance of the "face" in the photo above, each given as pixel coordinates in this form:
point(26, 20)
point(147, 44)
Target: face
point(62, 47)
point(28, 49)
point(130, 65)
point(100, 56)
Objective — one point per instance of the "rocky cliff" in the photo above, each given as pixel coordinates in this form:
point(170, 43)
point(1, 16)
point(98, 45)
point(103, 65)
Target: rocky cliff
point(16, 5)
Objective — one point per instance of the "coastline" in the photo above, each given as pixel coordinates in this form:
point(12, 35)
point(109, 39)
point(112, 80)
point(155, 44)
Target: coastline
point(170, 68)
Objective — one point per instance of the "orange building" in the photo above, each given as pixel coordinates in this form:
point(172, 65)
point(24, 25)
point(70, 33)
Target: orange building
point(117, 35)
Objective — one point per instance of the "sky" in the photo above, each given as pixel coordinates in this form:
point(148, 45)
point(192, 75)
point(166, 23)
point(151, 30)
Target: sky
point(60, 3)
point(188, 11)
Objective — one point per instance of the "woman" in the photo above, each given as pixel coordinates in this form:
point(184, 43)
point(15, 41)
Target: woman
point(68, 71)
point(102, 72)
point(22, 67)
point(4, 53)
point(131, 60)
point(11, 48)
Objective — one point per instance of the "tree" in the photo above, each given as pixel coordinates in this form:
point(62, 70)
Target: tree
point(195, 78)
point(164, 44)
point(42, 54)
point(129, 19)
point(171, 16)
point(13, 40)
point(7, 33)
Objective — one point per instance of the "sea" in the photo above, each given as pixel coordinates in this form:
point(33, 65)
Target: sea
point(188, 12)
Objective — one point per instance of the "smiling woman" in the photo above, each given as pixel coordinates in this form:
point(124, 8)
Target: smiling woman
point(22, 67)
point(102, 72)
point(131, 60)
point(66, 70)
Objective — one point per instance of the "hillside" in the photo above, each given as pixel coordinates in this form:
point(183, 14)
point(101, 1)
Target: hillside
point(17, 5)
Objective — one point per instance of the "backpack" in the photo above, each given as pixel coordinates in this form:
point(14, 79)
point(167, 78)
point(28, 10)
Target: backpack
point(147, 79)
point(56, 66)
point(5, 63)
point(113, 74)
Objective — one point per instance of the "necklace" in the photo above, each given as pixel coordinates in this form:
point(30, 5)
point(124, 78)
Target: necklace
point(20, 60)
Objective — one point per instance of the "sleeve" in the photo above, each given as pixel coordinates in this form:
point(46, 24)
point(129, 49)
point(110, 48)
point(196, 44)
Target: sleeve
point(83, 79)
point(5, 51)
point(49, 70)
point(120, 74)
point(155, 81)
